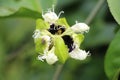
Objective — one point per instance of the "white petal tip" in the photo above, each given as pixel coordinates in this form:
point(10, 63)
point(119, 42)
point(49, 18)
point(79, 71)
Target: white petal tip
point(51, 58)
point(79, 54)
point(50, 17)
point(80, 28)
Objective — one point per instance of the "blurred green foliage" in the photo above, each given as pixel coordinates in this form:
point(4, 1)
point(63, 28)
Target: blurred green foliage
point(112, 64)
point(18, 60)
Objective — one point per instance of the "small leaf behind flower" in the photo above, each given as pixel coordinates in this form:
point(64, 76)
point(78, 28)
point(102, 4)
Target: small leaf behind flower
point(61, 49)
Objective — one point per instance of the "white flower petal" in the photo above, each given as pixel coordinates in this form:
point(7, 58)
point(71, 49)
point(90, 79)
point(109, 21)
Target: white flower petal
point(80, 28)
point(51, 58)
point(50, 17)
point(78, 54)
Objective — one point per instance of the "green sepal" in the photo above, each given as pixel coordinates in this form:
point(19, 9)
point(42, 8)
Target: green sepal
point(78, 38)
point(61, 50)
point(62, 21)
point(41, 25)
point(68, 32)
point(40, 45)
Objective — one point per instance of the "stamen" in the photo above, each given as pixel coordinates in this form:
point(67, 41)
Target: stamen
point(56, 29)
point(60, 13)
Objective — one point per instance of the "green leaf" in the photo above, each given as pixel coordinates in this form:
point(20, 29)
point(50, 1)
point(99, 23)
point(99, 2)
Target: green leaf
point(23, 8)
point(114, 6)
point(22, 12)
point(112, 58)
point(60, 49)
point(10, 7)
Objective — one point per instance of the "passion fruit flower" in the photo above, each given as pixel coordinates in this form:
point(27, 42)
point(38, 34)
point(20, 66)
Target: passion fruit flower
point(55, 40)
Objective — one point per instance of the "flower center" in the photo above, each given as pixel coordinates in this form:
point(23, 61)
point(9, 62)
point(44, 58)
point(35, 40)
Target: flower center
point(56, 29)
point(69, 42)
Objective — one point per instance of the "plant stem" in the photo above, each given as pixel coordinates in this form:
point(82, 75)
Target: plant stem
point(95, 10)
point(58, 71)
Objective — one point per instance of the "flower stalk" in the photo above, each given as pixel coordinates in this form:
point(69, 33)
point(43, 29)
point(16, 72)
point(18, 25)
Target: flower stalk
point(58, 71)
